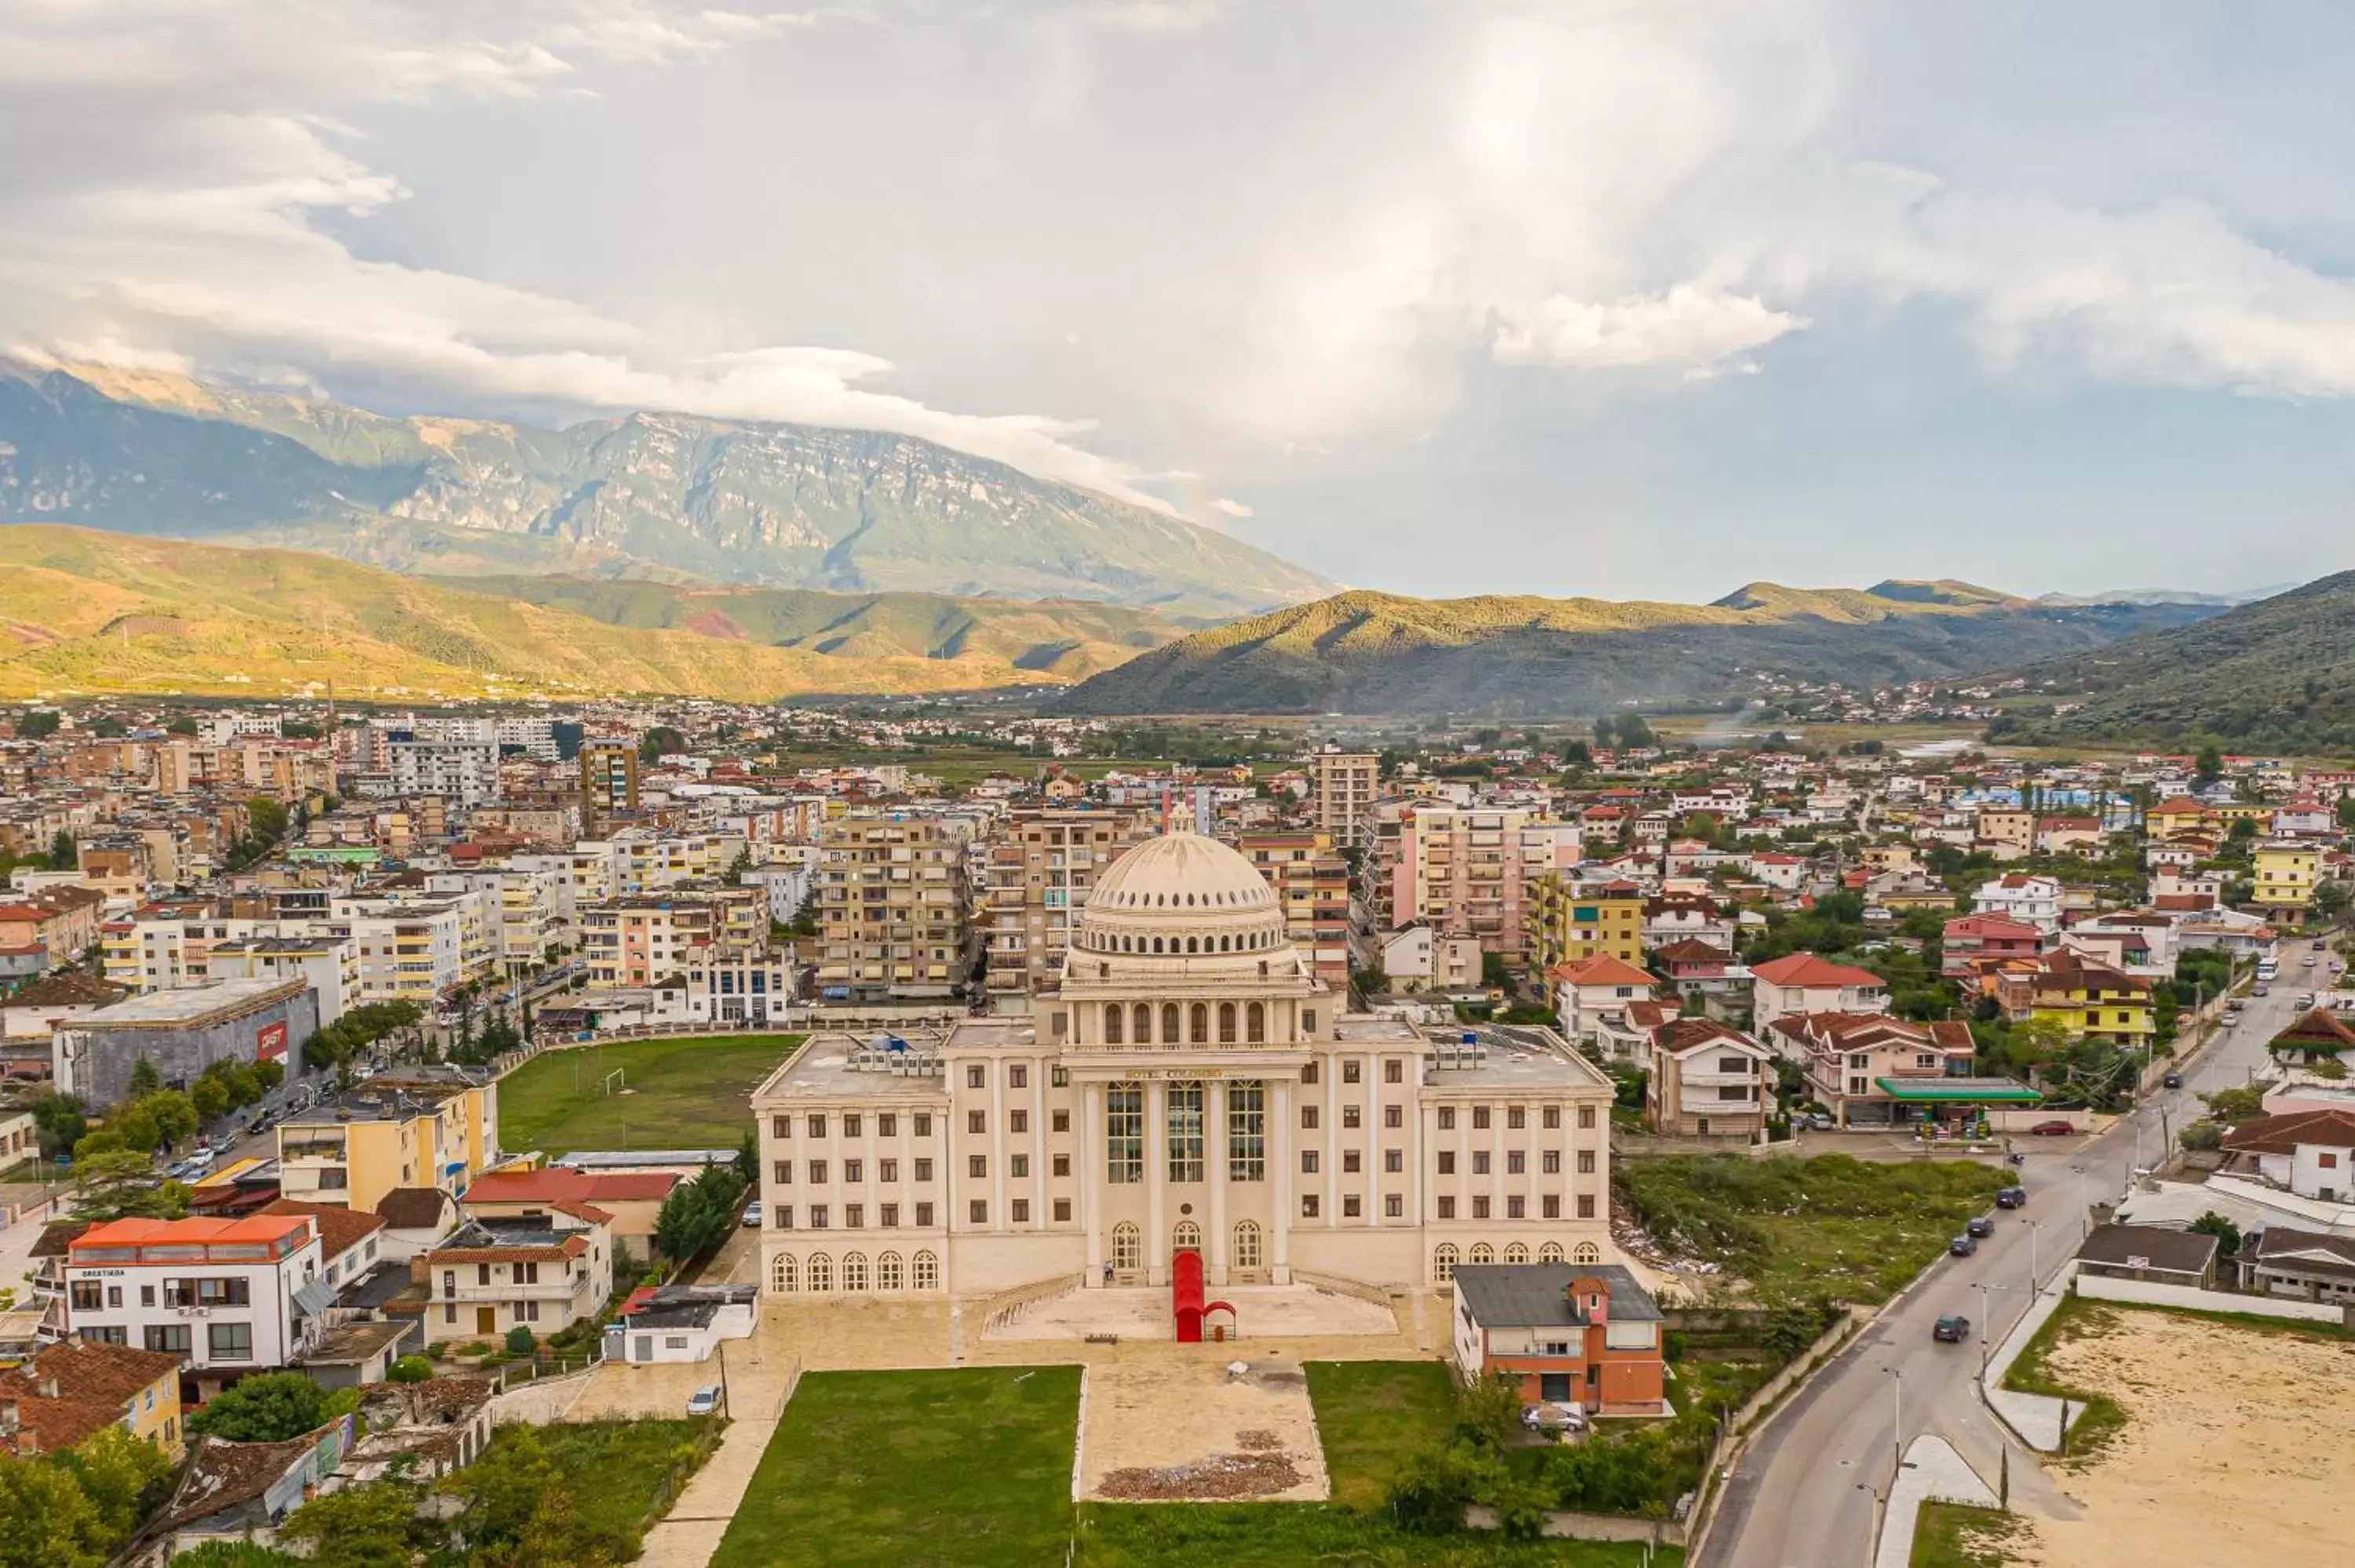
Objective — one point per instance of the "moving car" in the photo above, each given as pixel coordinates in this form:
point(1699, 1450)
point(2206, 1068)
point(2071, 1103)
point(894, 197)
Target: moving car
point(2262, 989)
point(2011, 1198)
point(2172, 1081)
point(753, 1213)
point(1962, 1246)
point(1980, 1225)
point(704, 1400)
point(2053, 1128)
point(1952, 1330)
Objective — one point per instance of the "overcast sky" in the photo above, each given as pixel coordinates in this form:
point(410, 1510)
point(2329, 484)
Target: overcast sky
point(1625, 298)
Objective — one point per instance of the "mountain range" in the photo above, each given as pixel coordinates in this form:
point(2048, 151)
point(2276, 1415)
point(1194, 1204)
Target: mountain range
point(662, 496)
point(1365, 652)
point(2278, 674)
point(87, 612)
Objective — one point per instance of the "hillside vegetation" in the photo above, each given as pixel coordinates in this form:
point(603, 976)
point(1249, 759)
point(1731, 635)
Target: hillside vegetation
point(1377, 653)
point(2276, 674)
point(83, 612)
point(650, 493)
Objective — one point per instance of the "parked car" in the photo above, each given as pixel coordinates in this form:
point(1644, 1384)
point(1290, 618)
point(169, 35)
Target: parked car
point(2011, 1198)
point(1979, 1225)
point(704, 1400)
point(1962, 1246)
point(1952, 1330)
point(2053, 1128)
point(200, 1163)
point(2261, 990)
point(753, 1213)
point(2172, 1081)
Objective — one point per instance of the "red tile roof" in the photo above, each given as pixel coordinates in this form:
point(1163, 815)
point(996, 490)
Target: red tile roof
point(549, 1186)
point(1808, 970)
point(340, 1229)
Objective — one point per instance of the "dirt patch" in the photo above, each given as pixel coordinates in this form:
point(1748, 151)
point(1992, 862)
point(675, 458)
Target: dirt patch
point(1181, 1422)
point(1221, 1477)
point(2234, 1448)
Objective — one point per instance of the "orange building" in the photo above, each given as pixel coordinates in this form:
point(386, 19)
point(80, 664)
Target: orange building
point(1583, 1333)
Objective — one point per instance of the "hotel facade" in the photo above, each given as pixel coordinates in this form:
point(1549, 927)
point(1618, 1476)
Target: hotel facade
point(1190, 1084)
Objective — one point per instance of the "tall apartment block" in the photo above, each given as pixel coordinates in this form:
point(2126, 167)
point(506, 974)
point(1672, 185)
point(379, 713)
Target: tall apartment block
point(1311, 881)
point(1346, 783)
point(609, 778)
point(1038, 875)
point(892, 916)
point(1462, 869)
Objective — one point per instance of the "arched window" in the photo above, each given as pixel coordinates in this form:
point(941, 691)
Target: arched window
point(1142, 1019)
point(1111, 1024)
point(1255, 1023)
point(887, 1272)
point(821, 1274)
point(1226, 944)
point(927, 1274)
point(1443, 1262)
point(1157, 944)
point(1198, 1023)
point(1516, 1253)
point(1246, 1244)
point(1550, 1252)
point(1587, 1253)
point(1482, 1253)
point(1187, 1237)
point(1226, 1024)
point(1127, 1245)
point(854, 1271)
point(1171, 1030)
point(782, 1278)
point(1193, 944)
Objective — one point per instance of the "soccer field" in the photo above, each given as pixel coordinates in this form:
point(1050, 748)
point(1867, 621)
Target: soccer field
point(681, 1094)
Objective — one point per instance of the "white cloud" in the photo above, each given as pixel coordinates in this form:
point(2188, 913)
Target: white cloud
point(1230, 508)
point(1689, 325)
point(187, 228)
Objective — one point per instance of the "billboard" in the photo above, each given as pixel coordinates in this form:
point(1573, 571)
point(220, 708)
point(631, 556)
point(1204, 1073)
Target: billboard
point(269, 1045)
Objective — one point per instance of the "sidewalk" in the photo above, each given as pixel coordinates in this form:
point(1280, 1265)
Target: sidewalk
point(1933, 1472)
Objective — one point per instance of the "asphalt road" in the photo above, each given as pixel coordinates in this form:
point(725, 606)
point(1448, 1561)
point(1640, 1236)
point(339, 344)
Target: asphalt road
point(1805, 1494)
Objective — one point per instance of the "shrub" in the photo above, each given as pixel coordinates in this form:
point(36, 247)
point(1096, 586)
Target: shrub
point(519, 1340)
point(409, 1369)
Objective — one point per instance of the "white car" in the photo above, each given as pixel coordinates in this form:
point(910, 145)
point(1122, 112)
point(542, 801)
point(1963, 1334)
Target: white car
point(704, 1400)
point(752, 1215)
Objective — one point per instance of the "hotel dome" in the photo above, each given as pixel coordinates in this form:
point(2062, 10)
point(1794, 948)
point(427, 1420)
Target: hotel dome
point(1180, 896)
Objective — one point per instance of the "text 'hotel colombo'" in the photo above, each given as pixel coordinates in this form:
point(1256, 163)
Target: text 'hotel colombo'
point(1189, 1084)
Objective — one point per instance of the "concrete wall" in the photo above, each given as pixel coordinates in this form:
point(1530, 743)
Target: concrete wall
point(103, 1073)
point(2098, 1288)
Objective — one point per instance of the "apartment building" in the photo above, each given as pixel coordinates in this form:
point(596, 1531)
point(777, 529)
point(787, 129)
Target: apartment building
point(1345, 784)
point(1572, 920)
point(62, 922)
point(640, 940)
point(407, 952)
point(329, 965)
point(1798, 984)
point(229, 1297)
point(2283, 877)
point(609, 777)
point(892, 912)
point(1461, 870)
point(1311, 881)
point(532, 909)
point(1191, 1086)
point(542, 1273)
point(465, 772)
point(412, 1128)
point(1038, 870)
point(1708, 1080)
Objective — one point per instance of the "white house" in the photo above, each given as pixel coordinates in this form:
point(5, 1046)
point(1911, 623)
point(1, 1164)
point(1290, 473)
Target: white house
point(229, 1296)
point(1783, 872)
point(1591, 993)
point(2310, 1153)
point(1803, 983)
point(1416, 957)
point(683, 1323)
point(2028, 899)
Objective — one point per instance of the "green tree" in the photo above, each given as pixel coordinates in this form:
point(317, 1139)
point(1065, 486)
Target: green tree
point(123, 1477)
point(2227, 1233)
point(45, 1518)
point(269, 1407)
point(374, 1525)
point(182, 725)
point(2209, 765)
point(145, 1079)
point(660, 741)
point(210, 1096)
point(38, 723)
point(409, 1369)
point(121, 1183)
point(63, 855)
point(60, 1121)
point(268, 817)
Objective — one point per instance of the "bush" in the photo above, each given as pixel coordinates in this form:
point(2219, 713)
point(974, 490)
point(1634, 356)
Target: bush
point(409, 1369)
point(519, 1340)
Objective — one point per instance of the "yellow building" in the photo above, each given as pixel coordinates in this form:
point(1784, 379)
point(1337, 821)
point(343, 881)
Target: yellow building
point(2093, 1000)
point(76, 1389)
point(1567, 923)
point(402, 1129)
point(2283, 875)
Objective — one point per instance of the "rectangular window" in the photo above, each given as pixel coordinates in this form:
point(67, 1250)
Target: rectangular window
point(817, 1216)
point(1353, 1115)
point(887, 1216)
point(1480, 1208)
point(1586, 1119)
point(1479, 1119)
point(1352, 1206)
point(1586, 1162)
point(887, 1170)
point(1447, 1118)
point(1125, 1134)
point(1350, 1166)
point(854, 1215)
point(817, 1172)
point(1394, 1160)
point(1394, 1116)
point(1551, 1206)
point(1479, 1162)
point(923, 1170)
point(1550, 1162)
point(1247, 1131)
point(172, 1339)
point(1017, 1121)
point(1393, 1207)
point(1060, 1077)
point(976, 1122)
point(229, 1341)
point(1586, 1206)
point(1517, 1115)
point(781, 1127)
point(1021, 1207)
point(1307, 1205)
point(1517, 1208)
point(925, 1215)
point(1308, 1162)
point(1516, 1162)
point(783, 1217)
point(818, 1125)
point(1308, 1022)
point(1062, 1166)
point(1062, 1210)
point(781, 1173)
point(1061, 1122)
point(1021, 1166)
point(850, 1124)
point(977, 1077)
point(923, 1124)
point(854, 1170)
point(86, 1296)
point(1308, 1074)
point(977, 1211)
point(1308, 1118)
point(1184, 1118)
point(886, 1124)
point(1393, 1071)
point(1552, 1117)
point(1447, 1208)
point(1447, 1163)
point(976, 1166)
point(1017, 1076)
point(1349, 1072)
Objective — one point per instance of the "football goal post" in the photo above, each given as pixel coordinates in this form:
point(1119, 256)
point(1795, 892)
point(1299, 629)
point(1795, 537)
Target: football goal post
point(614, 1083)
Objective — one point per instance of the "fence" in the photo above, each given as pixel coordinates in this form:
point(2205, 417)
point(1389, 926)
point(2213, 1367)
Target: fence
point(2101, 1288)
point(1007, 1305)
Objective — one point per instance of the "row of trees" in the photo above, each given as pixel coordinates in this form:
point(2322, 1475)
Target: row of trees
point(698, 1215)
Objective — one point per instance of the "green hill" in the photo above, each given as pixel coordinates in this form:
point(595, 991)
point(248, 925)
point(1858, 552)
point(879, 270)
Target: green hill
point(1381, 654)
point(649, 494)
point(2278, 674)
point(83, 612)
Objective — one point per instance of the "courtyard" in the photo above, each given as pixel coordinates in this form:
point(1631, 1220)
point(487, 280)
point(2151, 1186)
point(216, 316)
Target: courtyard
point(691, 1093)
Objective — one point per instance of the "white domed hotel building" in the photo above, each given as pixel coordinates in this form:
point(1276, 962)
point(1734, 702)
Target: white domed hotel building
point(1188, 1086)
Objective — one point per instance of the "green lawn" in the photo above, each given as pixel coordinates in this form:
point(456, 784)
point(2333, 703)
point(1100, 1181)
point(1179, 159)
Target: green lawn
point(614, 1469)
point(685, 1093)
point(1371, 1415)
point(1948, 1535)
point(915, 1469)
point(1289, 1535)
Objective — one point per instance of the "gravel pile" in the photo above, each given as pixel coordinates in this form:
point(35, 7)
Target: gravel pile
point(1222, 1476)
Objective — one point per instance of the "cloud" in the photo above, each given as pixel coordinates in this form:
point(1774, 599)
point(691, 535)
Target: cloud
point(1230, 508)
point(1688, 325)
point(188, 226)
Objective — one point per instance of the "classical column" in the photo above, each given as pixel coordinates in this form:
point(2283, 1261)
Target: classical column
point(1091, 1172)
point(1156, 1181)
point(1214, 1154)
point(1279, 1237)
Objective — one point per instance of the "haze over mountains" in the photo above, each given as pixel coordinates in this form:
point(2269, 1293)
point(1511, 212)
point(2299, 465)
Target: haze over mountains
point(650, 495)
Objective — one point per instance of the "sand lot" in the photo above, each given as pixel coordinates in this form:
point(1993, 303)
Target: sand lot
point(2235, 1449)
point(1183, 1427)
